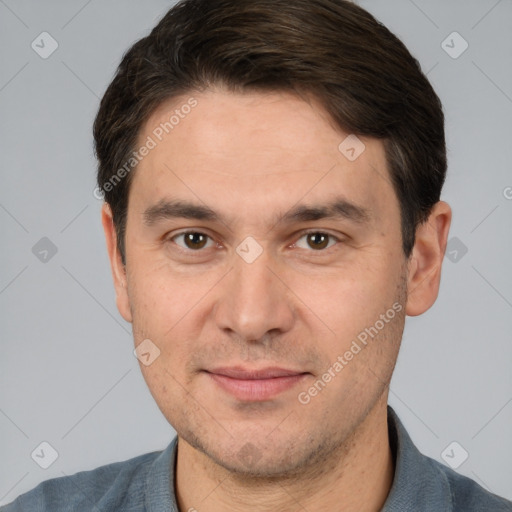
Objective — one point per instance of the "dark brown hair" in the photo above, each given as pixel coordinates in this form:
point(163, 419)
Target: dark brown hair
point(332, 50)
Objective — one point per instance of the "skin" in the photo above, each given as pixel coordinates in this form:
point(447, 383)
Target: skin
point(252, 158)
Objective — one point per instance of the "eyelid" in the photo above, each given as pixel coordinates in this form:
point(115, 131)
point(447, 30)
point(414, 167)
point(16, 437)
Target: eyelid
point(302, 234)
point(297, 237)
point(171, 236)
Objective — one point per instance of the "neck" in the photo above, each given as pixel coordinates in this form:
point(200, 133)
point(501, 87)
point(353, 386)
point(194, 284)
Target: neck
point(358, 477)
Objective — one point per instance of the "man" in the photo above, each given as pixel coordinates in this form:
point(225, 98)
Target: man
point(272, 174)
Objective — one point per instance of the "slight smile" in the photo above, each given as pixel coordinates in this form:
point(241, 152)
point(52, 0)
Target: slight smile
point(255, 385)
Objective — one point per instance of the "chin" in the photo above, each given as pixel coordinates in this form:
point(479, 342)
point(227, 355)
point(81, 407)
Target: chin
point(249, 463)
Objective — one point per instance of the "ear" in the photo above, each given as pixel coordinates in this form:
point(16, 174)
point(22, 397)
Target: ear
point(116, 264)
point(426, 260)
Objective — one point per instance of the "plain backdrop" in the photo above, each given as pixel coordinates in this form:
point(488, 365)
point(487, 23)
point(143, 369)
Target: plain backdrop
point(68, 374)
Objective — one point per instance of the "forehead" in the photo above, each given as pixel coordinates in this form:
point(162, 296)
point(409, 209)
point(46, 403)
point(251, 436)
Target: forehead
point(256, 146)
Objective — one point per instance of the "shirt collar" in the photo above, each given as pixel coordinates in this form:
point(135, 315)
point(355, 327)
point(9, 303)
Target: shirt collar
point(159, 489)
point(418, 484)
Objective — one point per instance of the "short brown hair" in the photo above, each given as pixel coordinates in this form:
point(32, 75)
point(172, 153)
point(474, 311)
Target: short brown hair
point(334, 50)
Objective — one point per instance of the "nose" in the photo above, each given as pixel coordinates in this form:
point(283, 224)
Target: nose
point(255, 301)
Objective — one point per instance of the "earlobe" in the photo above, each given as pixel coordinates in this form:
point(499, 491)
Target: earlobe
point(116, 264)
point(427, 258)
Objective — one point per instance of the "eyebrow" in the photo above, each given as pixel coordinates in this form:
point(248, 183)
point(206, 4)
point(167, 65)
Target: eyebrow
point(339, 208)
point(172, 209)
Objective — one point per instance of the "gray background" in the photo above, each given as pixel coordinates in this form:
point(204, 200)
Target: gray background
point(68, 374)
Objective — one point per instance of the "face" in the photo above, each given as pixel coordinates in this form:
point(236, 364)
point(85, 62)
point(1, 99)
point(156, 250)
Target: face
point(267, 267)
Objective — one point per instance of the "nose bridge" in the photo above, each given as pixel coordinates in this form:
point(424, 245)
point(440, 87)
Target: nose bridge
point(254, 301)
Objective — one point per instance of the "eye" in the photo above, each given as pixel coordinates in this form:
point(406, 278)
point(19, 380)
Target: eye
point(316, 240)
point(193, 240)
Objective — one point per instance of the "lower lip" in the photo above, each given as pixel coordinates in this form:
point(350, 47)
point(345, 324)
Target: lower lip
point(256, 389)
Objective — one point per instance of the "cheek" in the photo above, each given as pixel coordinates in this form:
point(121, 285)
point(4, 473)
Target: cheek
point(166, 389)
point(160, 297)
point(353, 307)
point(348, 300)
point(157, 309)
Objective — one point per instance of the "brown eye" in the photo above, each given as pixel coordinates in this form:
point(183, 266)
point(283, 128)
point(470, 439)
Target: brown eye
point(192, 240)
point(316, 240)
point(195, 240)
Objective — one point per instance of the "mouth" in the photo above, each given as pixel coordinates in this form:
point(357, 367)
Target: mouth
point(255, 385)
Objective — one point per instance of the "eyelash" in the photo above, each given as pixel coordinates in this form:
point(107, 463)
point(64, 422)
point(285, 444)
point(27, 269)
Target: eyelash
point(336, 239)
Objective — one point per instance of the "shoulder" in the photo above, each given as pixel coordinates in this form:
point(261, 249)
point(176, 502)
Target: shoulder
point(110, 487)
point(424, 484)
point(467, 495)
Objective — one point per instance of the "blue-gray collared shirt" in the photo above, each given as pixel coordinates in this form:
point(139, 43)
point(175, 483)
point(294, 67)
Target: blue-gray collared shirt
point(146, 484)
